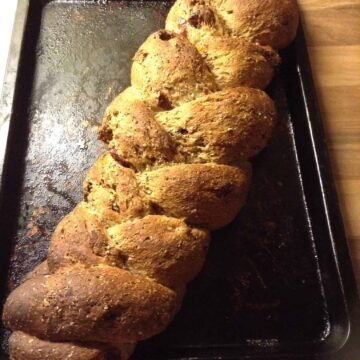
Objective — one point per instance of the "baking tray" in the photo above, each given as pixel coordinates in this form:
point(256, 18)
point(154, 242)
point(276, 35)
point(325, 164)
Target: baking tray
point(277, 283)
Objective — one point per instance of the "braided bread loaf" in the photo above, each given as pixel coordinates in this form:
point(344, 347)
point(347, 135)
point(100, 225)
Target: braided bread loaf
point(179, 142)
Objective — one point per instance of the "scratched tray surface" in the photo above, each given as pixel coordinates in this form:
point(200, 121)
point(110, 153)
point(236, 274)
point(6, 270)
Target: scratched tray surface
point(261, 286)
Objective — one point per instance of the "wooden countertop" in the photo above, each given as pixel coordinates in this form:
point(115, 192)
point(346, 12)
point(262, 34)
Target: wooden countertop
point(332, 29)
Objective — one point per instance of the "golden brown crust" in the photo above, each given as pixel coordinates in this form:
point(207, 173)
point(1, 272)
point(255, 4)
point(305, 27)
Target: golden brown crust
point(133, 134)
point(168, 71)
point(161, 247)
point(195, 20)
point(101, 303)
point(206, 195)
point(225, 127)
point(266, 22)
point(233, 60)
point(111, 190)
point(23, 346)
point(79, 238)
point(237, 62)
point(39, 270)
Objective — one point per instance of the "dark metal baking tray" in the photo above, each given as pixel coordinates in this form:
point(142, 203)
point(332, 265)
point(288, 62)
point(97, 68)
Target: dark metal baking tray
point(278, 282)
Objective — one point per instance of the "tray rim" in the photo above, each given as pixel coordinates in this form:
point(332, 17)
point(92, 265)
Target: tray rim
point(329, 195)
point(8, 88)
